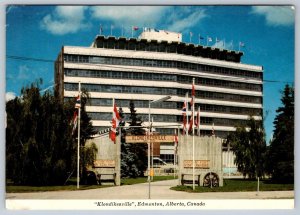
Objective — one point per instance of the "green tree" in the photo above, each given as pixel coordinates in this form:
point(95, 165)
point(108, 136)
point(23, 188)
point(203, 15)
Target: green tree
point(133, 156)
point(248, 145)
point(281, 149)
point(40, 149)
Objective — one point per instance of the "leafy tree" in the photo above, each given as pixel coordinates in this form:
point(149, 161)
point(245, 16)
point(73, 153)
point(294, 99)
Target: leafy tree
point(281, 149)
point(40, 149)
point(249, 147)
point(133, 156)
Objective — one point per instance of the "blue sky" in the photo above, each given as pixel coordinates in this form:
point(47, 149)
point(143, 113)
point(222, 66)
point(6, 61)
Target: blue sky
point(39, 32)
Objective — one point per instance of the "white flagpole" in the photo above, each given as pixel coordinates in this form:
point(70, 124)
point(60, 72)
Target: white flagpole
point(239, 46)
point(193, 127)
point(152, 170)
point(78, 138)
point(174, 150)
point(122, 31)
point(111, 27)
point(198, 123)
point(206, 40)
point(132, 31)
point(187, 114)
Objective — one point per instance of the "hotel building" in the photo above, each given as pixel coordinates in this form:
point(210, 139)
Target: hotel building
point(158, 64)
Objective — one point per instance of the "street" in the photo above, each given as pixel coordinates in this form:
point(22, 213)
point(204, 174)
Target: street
point(159, 190)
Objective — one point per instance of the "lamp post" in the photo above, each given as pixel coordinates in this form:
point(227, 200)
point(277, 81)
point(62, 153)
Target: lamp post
point(149, 112)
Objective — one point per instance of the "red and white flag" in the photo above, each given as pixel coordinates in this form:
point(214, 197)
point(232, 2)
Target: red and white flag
point(115, 122)
point(135, 28)
point(74, 121)
point(192, 120)
point(78, 102)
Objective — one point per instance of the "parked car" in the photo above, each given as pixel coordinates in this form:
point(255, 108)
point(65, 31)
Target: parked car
point(159, 163)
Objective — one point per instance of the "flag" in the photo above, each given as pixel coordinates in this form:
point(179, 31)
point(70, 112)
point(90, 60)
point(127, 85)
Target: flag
point(191, 34)
point(201, 38)
point(242, 44)
point(74, 121)
point(156, 30)
point(184, 131)
point(175, 141)
point(78, 103)
point(101, 29)
point(191, 126)
point(114, 123)
point(209, 39)
point(135, 28)
point(213, 130)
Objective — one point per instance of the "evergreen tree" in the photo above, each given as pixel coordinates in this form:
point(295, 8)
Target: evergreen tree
point(133, 155)
point(249, 148)
point(40, 149)
point(281, 150)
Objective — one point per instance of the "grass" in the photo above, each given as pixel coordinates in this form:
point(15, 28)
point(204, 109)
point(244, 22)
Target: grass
point(10, 188)
point(238, 185)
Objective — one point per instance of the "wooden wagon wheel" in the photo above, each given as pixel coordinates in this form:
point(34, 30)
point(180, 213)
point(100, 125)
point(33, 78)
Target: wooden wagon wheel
point(211, 178)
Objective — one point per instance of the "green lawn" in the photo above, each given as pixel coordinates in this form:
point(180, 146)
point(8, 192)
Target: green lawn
point(10, 188)
point(238, 185)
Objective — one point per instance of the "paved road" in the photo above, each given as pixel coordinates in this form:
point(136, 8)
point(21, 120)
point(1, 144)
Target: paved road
point(159, 190)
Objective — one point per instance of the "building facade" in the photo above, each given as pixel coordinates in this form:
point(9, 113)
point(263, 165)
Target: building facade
point(158, 64)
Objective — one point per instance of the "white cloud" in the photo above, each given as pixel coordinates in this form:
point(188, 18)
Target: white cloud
point(64, 20)
point(185, 19)
point(142, 16)
point(276, 15)
point(10, 96)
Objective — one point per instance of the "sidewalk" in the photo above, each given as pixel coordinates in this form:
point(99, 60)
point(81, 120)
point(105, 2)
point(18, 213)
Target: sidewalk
point(159, 190)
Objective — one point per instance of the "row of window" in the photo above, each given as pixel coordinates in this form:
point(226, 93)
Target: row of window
point(161, 77)
point(165, 47)
point(163, 91)
point(163, 64)
point(175, 105)
point(170, 118)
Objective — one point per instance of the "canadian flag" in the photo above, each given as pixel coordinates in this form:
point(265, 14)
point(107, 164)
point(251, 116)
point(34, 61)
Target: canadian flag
point(191, 126)
point(114, 123)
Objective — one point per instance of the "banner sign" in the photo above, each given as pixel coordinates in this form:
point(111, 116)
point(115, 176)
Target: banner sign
point(199, 164)
point(153, 139)
point(104, 163)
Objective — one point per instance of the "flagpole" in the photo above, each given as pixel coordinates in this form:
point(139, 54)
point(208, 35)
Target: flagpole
point(193, 127)
point(206, 40)
point(187, 113)
point(199, 39)
point(239, 46)
point(78, 138)
point(174, 150)
point(111, 30)
point(198, 123)
point(152, 169)
point(131, 31)
point(122, 30)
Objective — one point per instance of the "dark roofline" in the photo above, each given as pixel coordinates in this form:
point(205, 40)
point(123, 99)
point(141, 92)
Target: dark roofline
point(188, 45)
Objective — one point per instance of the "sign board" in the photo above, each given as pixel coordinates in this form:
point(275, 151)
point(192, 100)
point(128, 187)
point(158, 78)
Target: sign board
point(104, 163)
point(199, 164)
point(153, 138)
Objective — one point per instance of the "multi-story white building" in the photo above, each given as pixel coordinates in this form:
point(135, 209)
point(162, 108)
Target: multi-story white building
point(158, 64)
